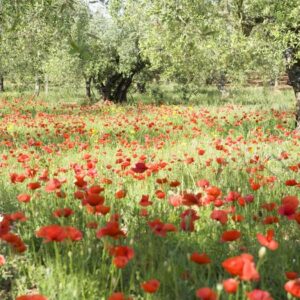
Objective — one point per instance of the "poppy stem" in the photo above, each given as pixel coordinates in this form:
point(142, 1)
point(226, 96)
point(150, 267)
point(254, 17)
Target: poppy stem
point(121, 279)
point(57, 255)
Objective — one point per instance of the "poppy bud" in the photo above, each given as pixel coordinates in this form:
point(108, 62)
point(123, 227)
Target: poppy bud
point(262, 252)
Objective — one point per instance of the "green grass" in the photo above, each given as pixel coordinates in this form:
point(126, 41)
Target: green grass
point(209, 95)
point(244, 124)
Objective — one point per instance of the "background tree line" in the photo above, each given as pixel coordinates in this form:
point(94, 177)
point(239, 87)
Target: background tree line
point(114, 44)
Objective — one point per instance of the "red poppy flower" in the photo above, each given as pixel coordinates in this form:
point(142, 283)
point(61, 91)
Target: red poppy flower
point(160, 194)
point(174, 183)
point(230, 285)
point(111, 229)
point(44, 175)
point(213, 191)
point(268, 241)
point(2, 260)
point(200, 259)
point(15, 241)
point(79, 195)
point(232, 196)
point(140, 168)
point(145, 201)
point(32, 297)
point(120, 194)
point(59, 233)
point(61, 194)
point(14, 177)
point(190, 199)
point(242, 266)
point(175, 200)
point(17, 216)
point(219, 215)
point(118, 296)
point(33, 185)
point(230, 235)
point(297, 217)
point(201, 151)
point(169, 227)
point(120, 261)
point(21, 248)
point(73, 233)
point(52, 185)
point(101, 209)
point(161, 180)
point(80, 182)
point(4, 224)
point(291, 182)
point(237, 218)
point(122, 251)
point(249, 198)
point(143, 212)
point(289, 205)
point(95, 189)
point(293, 287)
point(23, 198)
point(259, 295)
point(270, 220)
point(203, 183)
point(206, 294)
point(218, 203)
point(188, 217)
point(94, 199)
point(161, 229)
point(291, 275)
point(255, 186)
point(52, 233)
point(63, 212)
point(269, 206)
point(151, 286)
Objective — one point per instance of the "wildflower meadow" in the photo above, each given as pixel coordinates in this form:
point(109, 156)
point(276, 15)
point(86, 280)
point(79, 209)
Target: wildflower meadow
point(148, 202)
point(149, 149)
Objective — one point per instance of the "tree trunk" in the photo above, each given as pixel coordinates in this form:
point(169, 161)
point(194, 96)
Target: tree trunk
point(297, 122)
point(141, 87)
point(37, 86)
point(1, 84)
point(294, 80)
point(222, 86)
point(122, 89)
point(88, 82)
point(46, 85)
point(116, 87)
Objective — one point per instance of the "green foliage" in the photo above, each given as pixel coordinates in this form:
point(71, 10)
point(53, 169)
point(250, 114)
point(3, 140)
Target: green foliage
point(199, 39)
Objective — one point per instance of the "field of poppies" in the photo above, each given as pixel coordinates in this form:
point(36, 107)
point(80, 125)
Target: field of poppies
point(148, 202)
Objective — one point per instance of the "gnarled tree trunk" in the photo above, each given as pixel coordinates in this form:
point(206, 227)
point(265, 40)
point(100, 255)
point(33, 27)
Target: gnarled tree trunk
point(116, 86)
point(88, 82)
point(1, 84)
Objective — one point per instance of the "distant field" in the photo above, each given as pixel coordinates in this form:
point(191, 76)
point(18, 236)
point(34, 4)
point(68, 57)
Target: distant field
point(100, 199)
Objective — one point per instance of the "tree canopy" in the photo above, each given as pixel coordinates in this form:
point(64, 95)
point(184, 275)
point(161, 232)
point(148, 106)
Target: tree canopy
point(108, 43)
